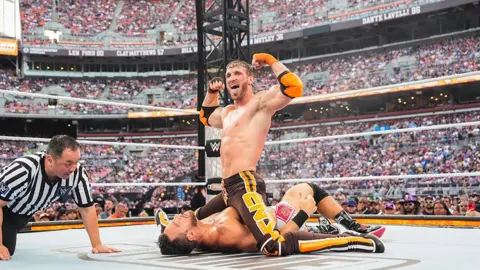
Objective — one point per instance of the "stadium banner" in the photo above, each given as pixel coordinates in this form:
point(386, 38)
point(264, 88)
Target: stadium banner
point(411, 11)
point(8, 47)
point(316, 30)
point(392, 15)
point(84, 52)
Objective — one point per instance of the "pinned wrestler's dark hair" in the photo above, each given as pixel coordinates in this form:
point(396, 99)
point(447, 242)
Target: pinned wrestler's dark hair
point(179, 246)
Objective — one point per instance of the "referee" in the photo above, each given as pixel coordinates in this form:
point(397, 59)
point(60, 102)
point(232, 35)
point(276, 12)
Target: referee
point(32, 182)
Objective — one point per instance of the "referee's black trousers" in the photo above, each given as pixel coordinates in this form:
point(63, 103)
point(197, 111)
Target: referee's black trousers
point(12, 223)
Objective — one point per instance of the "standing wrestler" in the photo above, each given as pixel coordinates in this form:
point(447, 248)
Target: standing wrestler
point(245, 125)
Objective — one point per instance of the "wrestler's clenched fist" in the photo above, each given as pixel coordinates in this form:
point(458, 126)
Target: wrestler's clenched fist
point(263, 59)
point(215, 85)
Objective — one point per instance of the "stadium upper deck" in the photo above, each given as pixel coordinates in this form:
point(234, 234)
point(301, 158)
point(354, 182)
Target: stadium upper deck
point(453, 56)
point(89, 78)
point(116, 22)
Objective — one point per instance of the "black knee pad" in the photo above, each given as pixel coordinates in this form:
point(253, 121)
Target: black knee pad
point(318, 193)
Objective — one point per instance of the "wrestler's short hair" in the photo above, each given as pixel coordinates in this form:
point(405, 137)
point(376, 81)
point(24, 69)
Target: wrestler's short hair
point(178, 246)
point(239, 63)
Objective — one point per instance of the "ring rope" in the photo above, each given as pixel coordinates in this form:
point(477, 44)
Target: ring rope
point(385, 177)
point(164, 184)
point(379, 90)
point(302, 180)
point(94, 101)
point(330, 137)
point(13, 138)
point(382, 132)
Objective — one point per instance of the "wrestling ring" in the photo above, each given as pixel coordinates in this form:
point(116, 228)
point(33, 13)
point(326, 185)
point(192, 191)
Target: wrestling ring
point(412, 242)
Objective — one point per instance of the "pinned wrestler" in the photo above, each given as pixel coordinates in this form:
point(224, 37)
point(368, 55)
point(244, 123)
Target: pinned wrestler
point(225, 232)
point(245, 125)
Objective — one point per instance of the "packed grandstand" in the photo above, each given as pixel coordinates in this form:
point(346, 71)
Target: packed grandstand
point(130, 23)
point(135, 18)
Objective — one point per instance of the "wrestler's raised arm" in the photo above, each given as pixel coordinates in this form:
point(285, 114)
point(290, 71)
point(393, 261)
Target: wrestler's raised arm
point(290, 86)
point(211, 113)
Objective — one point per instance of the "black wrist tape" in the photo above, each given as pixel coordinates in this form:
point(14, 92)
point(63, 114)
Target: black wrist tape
point(300, 218)
point(215, 79)
point(290, 85)
point(205, 113)
point(279, 79)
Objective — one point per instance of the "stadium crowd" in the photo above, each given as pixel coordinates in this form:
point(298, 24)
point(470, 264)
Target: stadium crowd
point(137, 17)
point(79, 15)
point(456, 55)
point(117, 206)
point(428, 152)
point(432, 152)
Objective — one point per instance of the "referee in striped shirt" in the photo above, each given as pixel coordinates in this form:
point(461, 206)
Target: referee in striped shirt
point(32, 182)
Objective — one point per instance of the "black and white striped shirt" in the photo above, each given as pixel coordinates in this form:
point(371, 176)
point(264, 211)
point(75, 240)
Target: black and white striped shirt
point(25, 186)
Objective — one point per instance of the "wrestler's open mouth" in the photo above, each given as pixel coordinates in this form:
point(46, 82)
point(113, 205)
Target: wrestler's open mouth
point(235, 88)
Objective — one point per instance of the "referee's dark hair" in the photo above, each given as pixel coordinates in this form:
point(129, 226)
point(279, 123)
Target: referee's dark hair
point(59, 143)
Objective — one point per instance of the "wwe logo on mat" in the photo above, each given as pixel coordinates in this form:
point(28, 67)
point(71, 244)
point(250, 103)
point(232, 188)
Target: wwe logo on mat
point(213, 148)
point(140, 257)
